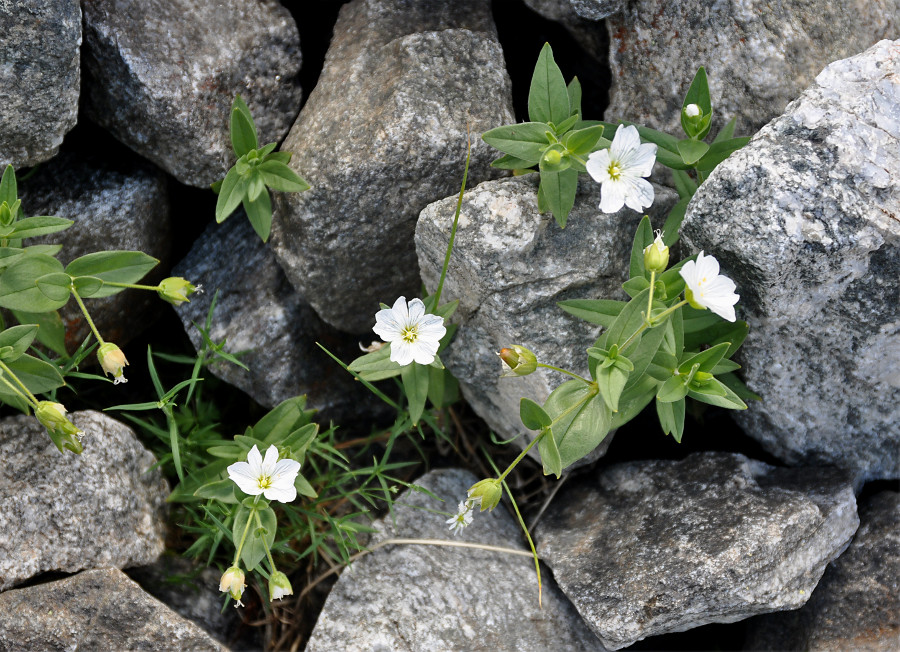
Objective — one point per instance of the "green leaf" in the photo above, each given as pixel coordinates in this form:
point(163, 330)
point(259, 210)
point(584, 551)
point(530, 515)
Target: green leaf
point(87, 286)
point(611, 380)
point(583, 141)
point(254, 550)
point(415, 379)
point(633, 401)
point(643, 237)
point(243, 131)
point(37, 375)
point(221, 490)
point(727, 132)
point(628, 321)
point(510, 162)
point(671, 160)
point(718, 152)
point(51, 331)
point(548, 97)
point(671, 418)
point(16, 340)
point(706, 359)
point(526, 140)
point(260, 214)
point(281, 421)
point(718, 394)
point(574, 92)
point(559, 190)
point(532, 415)
point(299, 440)
point(736, 385)
point(9, 191)
point(255, 186)
point(18, 286)
point(565, 125)
point(555, 159)
point(685, 186)
point(595, 311)
point(376, 365)
point(721, 331)
point(55, 286)
point(698, 94)
point(280, 177)
point(692, 150)
point(580, 419)
point(674, 220)
point(230, 194)
point(112, 267)
point(550, 457)
point(672, 390)
point(443, 388)
point(303, 487)
point(31, 227)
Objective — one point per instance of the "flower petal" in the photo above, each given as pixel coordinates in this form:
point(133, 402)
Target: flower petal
point(268, 465)
point(386, 325)
point(401, 311)
point(612, 196)
point(416, 311)
point(598, 165)
point(254, 459)
point(284, 494)
point(432, 328)
point(286, 469)
point(402, 352)
point(424, 352)
point(639, 195)
point(639, 162)
point(625, 140)
point(243, 476)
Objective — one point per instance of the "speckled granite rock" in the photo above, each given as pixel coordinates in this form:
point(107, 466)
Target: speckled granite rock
point(805, 219)
point(566, 10)
point(94, 610)
point(162, 75)
point(40, 78)
point(856, 606)
point(382, 135)
point(654, 547)
point(258, 311)
point(114, 206)
point(65, 512)
point(407, 598)
point(759, 55)
point(510, 267)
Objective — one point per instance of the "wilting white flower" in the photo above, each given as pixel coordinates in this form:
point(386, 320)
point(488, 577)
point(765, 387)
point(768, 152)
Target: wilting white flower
point(414, 336)
point(113, 361)
point(692, 110)
point(462, 518)
point(706, 288)
point(279, 586)
point(620, 169)
point(271, 477)
point(233, 582)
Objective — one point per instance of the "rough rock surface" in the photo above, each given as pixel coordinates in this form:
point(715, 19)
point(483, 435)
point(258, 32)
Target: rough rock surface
point(759, 55)
point(565, 11)
point(120, 206)
point(856, 606)
point(162, 75)
point(94, 610)
point(65, 512)
point(259, 312)
point(423, 597)
point(383, 135)
point(659, 546)
point(806, 219)
point(510, 266)
point(40, 78)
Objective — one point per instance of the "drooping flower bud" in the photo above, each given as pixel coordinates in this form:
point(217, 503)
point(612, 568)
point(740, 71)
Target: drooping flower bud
point(63, 432)
point(519, 360)
point(692, 110)
point(176, 290)
point(656, 255)
point(113, 361)
point(279, 586)
point(233, 582)
point(486, 492)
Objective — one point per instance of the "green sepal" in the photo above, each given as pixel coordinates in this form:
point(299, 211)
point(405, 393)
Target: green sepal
point(548, 164)
point(548, 96)
point(533, 415)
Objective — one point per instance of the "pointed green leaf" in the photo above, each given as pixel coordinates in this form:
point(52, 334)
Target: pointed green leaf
point(548, 97)
point(711, 394)
point(376, 365)
point(671, 418)
point(611, 381)
point(684, 184)
point(574, 92)
point(221, 490)
point(259, 213)
point(9, 191)
point(280, 177)
point(727, 132)
point(255, 186)
point(706, 359)
point(595, 311)
point(415, 379)
point(112, 267)
point(303, 487)
point(51, 331)
point(559, 190)
point(526, 140)
point(281, 420)
point(37, 375)
point(510, 162)
point(674, 220)
point(533, 415)
point(230, 195)
point(31, 227)
point(720, 151)
point(243, 131)
point(643, 237)
point(16, 340)
point(672, 390)
point(583, 141)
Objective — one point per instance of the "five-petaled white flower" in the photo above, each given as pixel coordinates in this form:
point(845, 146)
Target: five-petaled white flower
point(462, 518)
point(620, 169)
point(271, 477)
point(706, 288)
point(414, 335)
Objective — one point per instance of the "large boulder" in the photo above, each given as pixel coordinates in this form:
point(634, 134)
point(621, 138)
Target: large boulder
point(65, 512)
point(509, 268)
point(95, 610)
point(654, 547)
point(804, 219)
point(759, 55)
point(162, 75)
point(40, 79)
point(382, 135)
point(408, 597)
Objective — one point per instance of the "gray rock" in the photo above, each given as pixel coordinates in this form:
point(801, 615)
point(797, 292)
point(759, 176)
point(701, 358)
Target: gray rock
point(759, 55)
point(64, 512)
point(94, 610)
point(40, 78)
point(509, 268)
point(856, 606)
point(163, 74)
point(660, 546)
point(564, 11)
point(382, 135)
point(125, 206)
point(804, 219)
point(261, 314)
point(432, 597)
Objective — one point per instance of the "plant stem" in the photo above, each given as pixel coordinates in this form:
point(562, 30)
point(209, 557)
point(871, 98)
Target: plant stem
point(237, 554)
point(521, 455)
point(29, 398)
point(650, 296)
point(155, 288)
point(86, 315)
point(462, 190)
point(265, 545)
point(651, 322)
point(563, 371)
point(537, 564)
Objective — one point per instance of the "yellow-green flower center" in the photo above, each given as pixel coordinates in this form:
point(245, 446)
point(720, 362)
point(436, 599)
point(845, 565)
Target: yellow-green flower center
point(410, 334)
point(614, 171)
point(264, 481)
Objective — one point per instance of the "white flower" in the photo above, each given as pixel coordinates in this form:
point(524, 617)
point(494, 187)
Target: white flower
point(233, 582)
point(270, 477)
point(279, 586)
point(462, 518)
point(706, 288)
point(619, 170)
point(414, 336)
point(692, 110)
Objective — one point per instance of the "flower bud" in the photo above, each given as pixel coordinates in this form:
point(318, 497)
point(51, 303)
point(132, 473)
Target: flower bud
point(702, 378)
point(63, 432)
point(279, 586)
point(692, 111)
point(487, 492)
point(176, 290)
point(552, 157)
point(520, 361)
point(233, 582)
point(656, 255)
point(113, 361)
